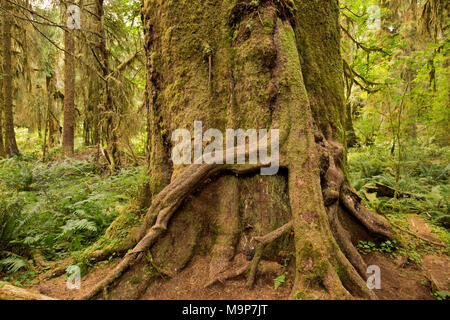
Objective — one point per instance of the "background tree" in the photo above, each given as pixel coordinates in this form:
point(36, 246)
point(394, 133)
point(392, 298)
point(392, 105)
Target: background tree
point(2, 145)
point(10, 137)
point(110, 126)
point(69, 85)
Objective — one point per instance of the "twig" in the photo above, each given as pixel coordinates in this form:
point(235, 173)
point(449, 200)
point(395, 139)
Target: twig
point(363, 47)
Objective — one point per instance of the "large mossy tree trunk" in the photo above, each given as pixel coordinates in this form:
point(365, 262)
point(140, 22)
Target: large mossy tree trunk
point(260, 65)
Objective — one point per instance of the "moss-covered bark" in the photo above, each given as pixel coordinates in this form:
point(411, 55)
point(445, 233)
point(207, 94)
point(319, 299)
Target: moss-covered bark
point(263, 65)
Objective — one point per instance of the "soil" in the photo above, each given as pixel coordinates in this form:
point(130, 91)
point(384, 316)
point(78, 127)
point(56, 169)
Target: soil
point(420, 227)
point(400, 279)
point(407, 282)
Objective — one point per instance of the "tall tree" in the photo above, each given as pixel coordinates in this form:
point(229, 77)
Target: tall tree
point(10, 137)
point(69, 86)
point(52, 120)
point(110, 126)
point(262, 65)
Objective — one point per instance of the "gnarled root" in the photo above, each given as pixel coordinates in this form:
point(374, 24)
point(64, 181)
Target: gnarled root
point(229, 274)
point(374, 223)
point(321, 264)
point(262, 242)
point(162, 209)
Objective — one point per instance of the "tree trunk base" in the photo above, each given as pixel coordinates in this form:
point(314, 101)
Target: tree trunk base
point(186, 220)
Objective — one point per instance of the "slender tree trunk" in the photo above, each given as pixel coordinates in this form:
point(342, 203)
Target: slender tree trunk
point(92, 93)
point(38, 116)
point(10, 137)
point(110, 117)
point(69, 89)
point(91, 126)
point(349, 128)
point(2, 141)
point(53, 125)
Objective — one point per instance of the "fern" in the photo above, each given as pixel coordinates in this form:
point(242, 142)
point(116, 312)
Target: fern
point(13, 264)
point(68, 205)
point(73, 226)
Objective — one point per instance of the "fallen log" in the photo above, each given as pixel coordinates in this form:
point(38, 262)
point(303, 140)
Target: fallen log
point(10, 292)
point(383, 190)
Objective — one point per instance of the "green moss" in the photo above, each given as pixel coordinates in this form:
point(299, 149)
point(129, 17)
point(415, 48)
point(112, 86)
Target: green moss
point(121, 232)
point(135, 281)
point(268, 27)
point(215, 230)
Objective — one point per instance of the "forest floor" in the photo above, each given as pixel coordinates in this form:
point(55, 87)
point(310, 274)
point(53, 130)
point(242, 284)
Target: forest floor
point(400, 280)
point(52, 211)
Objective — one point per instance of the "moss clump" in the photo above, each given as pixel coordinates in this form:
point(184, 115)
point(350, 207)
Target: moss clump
point(268, 27)
point(121, 234)
point(128, 219)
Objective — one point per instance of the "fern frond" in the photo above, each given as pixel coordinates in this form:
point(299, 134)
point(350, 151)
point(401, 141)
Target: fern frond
point(13, 264)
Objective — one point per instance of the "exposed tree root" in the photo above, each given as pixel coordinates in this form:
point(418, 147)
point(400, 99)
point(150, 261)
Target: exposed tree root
point(94, 257)
point(253, 265)
point(343, 239)
point(162, 209)
point(230, 274)
point(56, 272)
point(262, 242)
point(169, 200)
point(374, 223)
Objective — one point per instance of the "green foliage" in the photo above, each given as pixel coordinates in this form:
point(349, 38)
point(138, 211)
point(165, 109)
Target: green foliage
point(392, 248)
point(61, 207)
point(423, 185)
point(397, 94)
point(298, 295)
point(367, 247)
point(441, 295)
point(412, 254)
point(16, 174)
point(278, 281)
point(10, 219)
point(12, 264)
point(403, 85)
